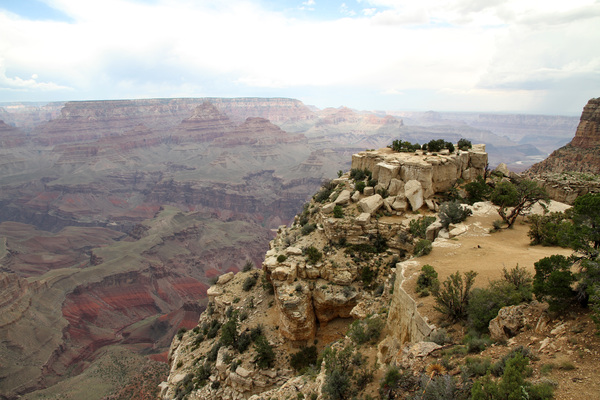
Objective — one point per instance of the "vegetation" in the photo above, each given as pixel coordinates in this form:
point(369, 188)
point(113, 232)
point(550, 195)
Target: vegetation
point(338, 212)
point(250, 282)
point(553, 229)
point(478, 190)
point(345, 373)
point(313, 255)
point(452, 212)
point(464, 144)
point(265, 356)
point(367, 330)
point(453, 296)
point(360, 174)
point(326, 189)
point(418, 227)
point(281, 258)
point(437, 145)
point(404, 147)
point(304, 358)
point(515, 199)
point(248, 266)
point(427, 281)
point(422, 248)
point(553, 280)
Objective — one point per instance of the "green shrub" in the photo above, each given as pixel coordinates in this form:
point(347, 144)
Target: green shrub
point(404, 147)
point(553, 229)
point(281, 258)
point(308, 228)
point(553, 280)
point(248, 266)
point(475, 367)
point(326, 189)
point(360, 174)
point(452, 298)
point(360, 186)
point(265, 356)
point(521, 279)
point(313, 255)
point(422, 248)
point(304, 358)
point(452, 212)
point(418, 227)
point(478, 190)
point(476, 343)
point(367, 330)
point(367, 275)
point(440, 336)
point(484, 303)
point(243, 342)
point(464, 144)
point(213, 352)
point(249, 283)
point(180, 333)
point(395, 382)
point(338, 212)
point(213, 329)
point(428, 279)
point(437, 388)
point(229, 332)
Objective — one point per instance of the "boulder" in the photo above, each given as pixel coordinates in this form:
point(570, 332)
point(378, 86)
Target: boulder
point(400, 203)
point(502, 169)
point(223, 279)
point(386, 173)
point(432, 231)
point(413, 190)
point(396, 187)
point(369, 191)
point(387, 205)
point(456, 230)
point(343, 198)
point(327, 208)
point(478, 159)
point(293, 251)
point(333, 301)
point(363, 219)
point(512, 319)
point(355, 196)
point(431, 205)
point(371, 204)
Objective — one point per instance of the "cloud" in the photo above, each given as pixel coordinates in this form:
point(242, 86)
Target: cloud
point(171, 47)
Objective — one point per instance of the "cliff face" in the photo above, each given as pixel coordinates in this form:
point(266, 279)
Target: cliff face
point(581, 154)
point(569, 171)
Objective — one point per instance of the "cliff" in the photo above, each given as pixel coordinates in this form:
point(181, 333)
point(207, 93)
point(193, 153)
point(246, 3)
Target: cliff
point(341, 282)
point(572, 170)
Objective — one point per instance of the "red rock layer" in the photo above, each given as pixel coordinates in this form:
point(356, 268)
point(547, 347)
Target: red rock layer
point(10, 137)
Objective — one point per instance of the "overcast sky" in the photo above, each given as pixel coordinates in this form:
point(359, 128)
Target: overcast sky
point(526, 56)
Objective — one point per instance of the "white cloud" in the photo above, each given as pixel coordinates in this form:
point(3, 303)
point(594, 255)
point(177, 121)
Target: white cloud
point(472, 48)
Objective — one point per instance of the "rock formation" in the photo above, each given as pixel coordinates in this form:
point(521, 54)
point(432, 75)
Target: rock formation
point(569, 171)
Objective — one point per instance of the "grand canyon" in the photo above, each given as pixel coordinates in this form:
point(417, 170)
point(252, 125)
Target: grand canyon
point(117, 216)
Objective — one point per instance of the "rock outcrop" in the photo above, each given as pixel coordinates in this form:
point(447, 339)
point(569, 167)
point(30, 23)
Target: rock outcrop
point(569, 171)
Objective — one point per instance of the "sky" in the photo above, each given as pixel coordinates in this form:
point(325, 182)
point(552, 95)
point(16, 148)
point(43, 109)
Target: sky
point(524, 56)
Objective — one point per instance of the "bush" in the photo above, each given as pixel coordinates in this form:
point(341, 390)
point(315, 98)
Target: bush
point(553, 229)
point(243, 342)
point(553, 280)
point(404, 147)
point(229, 332)
point(478, 190)
point(338, 212)
point(475, 367)
point(418, 227)
point(437, 388)
point(368, 330)
point(440, 336)
point(248, 266)
point(521, 279)
point(265, 357)
point(306, 357)
point(360, 174)
point(452, 298)
point(464, 144)
point(281, 258)
point(326, 189)
point(308, 228)
point(313, 255)
point(422, 248)
point(360, 186)
point(484, 303)
point(249, 283)
point(395, 382)
point(476, 343)
point(428, 279)
point(452, 212)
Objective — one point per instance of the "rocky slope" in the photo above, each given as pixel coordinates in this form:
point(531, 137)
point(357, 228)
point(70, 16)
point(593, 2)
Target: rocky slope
point(364, 277)
point(573, 170)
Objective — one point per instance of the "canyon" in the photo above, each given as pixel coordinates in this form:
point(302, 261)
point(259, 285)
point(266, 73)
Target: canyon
point(116, 216)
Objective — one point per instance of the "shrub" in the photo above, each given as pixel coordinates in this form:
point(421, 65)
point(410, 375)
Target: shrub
point(368, 330)
point(453, 296)
point(484, 303)
point(422, 248)
point(452, 212)
point(475, 366)
point(521, 279)
point(440, 336)
point(338, 212)
point(404, 147)
point(229, 332)
point(304, 358)
point(313, 255)
point(308, 228)
point(243, 342)
point(180, 333)
point(213, 329)
point(478, 190)
point(249, 283)
point(360, 186)
point(428, 279)
point(395, 382)
point(436, 388)
point(326, 189)
point(248, 266)
point(281, 258)
point(360, 174)
point(213, 352)
point(464, 144)
point(265, 357)
point(513, 199)
point(553, 280)
point(418, 227)
point(435, 145)
point(476, 343)
point(549, 230)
